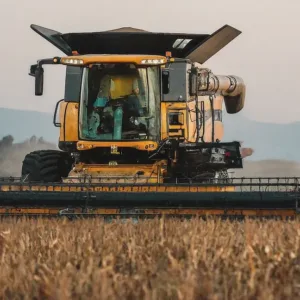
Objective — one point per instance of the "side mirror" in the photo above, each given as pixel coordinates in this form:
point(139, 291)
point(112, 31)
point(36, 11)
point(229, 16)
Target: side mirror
point(193, 84)
point(39, 80)
point(37, 72)
point(165, 82)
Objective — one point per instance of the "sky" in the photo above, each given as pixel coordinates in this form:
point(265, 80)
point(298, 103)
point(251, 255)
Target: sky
point(265, 55)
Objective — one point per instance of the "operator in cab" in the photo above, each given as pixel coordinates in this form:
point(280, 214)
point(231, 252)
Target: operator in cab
point(117, 105)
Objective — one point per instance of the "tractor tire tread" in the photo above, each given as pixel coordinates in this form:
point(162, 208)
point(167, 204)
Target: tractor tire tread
point(46, 166)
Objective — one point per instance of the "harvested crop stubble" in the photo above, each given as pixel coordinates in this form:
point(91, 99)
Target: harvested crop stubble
point(155, 259)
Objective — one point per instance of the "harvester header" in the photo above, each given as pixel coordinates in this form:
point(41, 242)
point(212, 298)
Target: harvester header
point(141, 132)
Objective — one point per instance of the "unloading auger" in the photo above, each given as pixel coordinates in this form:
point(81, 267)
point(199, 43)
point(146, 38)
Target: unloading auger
point(140, 133)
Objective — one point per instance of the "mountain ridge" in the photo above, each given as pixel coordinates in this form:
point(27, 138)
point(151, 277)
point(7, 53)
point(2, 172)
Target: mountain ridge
point(269, 140)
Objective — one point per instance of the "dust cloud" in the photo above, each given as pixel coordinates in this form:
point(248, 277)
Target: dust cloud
point(269, 168)
point(12, 154)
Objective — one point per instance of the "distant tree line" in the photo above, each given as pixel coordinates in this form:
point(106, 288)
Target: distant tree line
point(8, 141)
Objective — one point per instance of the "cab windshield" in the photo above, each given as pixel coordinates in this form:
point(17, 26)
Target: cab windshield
point(120, 102)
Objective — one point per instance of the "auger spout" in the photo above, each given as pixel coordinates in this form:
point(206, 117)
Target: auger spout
point(232, 88)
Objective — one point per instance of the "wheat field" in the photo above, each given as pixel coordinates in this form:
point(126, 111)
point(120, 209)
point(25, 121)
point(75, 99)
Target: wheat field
point(152, 259)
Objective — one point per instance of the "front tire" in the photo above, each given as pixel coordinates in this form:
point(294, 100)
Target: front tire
point(46, 166)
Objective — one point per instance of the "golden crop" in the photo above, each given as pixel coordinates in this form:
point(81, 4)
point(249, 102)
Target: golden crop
point(155, 259)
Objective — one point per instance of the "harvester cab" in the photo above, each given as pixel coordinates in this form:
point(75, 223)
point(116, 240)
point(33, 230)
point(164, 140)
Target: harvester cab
point(138, 102)
point(141, 133)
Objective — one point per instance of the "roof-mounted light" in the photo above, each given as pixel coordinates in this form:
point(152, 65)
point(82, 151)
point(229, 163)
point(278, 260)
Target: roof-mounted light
point(153, 61)
point(72, 61)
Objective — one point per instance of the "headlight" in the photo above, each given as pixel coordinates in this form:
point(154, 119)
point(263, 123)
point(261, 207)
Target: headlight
point(72, 61)
point(152, 61)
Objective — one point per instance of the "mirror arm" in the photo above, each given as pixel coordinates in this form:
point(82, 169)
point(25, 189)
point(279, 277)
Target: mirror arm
point(41, 62)
point(38, 72)
point(49, 61)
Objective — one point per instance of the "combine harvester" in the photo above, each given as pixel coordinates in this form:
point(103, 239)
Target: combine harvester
point(140, 133)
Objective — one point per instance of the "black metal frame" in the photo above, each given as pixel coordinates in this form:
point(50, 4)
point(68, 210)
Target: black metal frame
point(200, 48)
point(253, 193)
point(45, 61)
point(56, 124)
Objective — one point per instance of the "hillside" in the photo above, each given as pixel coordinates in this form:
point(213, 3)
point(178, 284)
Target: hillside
point(270, 141)
point(22, 125)
point(269, 168)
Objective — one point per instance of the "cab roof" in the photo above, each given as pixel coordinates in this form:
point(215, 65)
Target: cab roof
point(128, 40)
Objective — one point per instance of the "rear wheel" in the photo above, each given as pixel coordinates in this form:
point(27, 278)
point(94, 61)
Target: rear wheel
point(46, 166)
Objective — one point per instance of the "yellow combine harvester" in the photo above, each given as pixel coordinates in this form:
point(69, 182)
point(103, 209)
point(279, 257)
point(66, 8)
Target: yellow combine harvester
point(140, 132)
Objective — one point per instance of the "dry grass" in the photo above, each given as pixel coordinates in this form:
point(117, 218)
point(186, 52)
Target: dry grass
point(156, 259)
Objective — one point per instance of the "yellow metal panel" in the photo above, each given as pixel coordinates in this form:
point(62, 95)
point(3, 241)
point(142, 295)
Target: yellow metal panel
point(71, 130)
point(152, 173)
point(168, 107)
point(68, 117)
point(164, 119)
point(140, 145)
point(135, 59)
point(130, 189)
point(62, 111)
point(218, 131)
point(205, 131)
